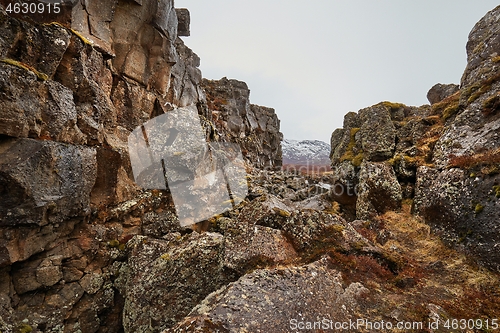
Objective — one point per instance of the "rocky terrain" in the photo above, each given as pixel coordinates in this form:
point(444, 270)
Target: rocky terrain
point(405, 228)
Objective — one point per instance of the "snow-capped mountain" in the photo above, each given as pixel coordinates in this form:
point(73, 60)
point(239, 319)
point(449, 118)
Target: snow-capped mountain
point(307, 152)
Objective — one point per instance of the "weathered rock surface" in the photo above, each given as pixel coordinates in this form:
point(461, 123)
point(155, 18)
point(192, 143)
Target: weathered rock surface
point(440, 91)
point(270, 300)
point(166, 279)
point(378, 191)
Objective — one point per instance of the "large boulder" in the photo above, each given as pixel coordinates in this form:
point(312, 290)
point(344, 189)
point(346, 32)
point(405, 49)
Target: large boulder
point(276, 300)
point(465, 210)
point(440, 91)
point(377, 133)
point(167, 278)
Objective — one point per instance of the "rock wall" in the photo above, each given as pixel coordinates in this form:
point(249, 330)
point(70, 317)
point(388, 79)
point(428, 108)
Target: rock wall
point(255, 128)
point(72, 88)
point(445, 157)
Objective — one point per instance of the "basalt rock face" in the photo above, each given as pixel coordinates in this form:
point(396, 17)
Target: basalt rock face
point(445, 157)
point(255, 128)
point(72, 89)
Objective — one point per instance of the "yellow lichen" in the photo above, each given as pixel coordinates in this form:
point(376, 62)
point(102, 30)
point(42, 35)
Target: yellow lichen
point(40, 75)
point(338, 228)
point(496, 190)
point(76, 33)
point(479, 208)
point(25, 328)
point(114, 243)
point(393, 106)
point(282, 212)
point(349, 155)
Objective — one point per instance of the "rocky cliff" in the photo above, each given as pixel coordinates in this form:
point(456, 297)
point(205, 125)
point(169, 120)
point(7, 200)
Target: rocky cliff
point(73, 86)
point(84, 249)
point(445, 157)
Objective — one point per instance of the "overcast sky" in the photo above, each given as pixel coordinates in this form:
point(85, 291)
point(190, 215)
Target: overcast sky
point(314, 61)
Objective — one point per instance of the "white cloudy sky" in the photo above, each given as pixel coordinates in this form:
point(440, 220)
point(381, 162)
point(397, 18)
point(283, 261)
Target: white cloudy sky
point(313, 61)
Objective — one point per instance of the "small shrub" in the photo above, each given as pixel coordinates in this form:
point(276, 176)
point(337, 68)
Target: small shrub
point(447, 107)
point(489, 161)
point(491, 105)
point(479, 208)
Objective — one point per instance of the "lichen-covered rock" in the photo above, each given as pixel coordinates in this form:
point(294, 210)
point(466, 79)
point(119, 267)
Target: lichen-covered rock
point(42, 54)
point(307, 229)
point(440, 91)
point(464, 209)
point(378, 191)
point(482, 48)
point(274, 300)
point(167, 278)
point(247, 246)
point(37, 109)
point(44, 182)
point(377, 133)
point(343, 140)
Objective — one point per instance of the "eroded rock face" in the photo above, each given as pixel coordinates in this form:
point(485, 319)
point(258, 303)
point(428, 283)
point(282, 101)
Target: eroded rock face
point(48, 182)
point(84, 249)
point(255, 128)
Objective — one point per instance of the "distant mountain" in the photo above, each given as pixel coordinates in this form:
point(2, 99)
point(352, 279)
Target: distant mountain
point(307, 152)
